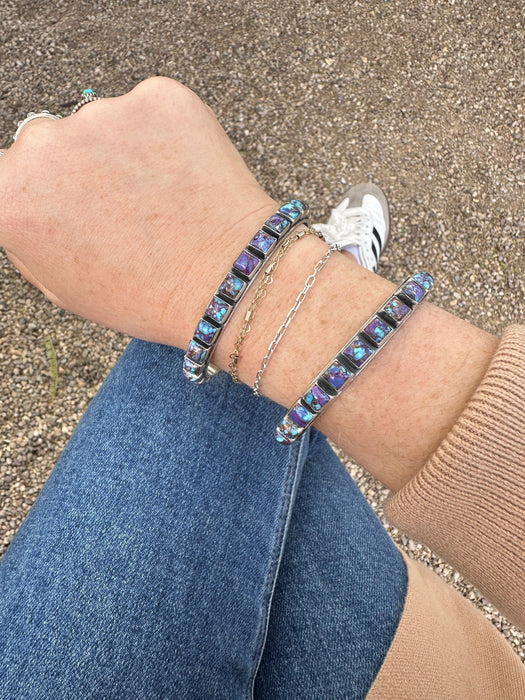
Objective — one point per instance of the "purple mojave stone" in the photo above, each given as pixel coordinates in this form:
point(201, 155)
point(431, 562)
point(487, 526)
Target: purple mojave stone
point(277, 223)
point(206, 332)
point(316, 398)
point(231, 286)
point(217, 309)
point(246, 262)
point(262, 241)
point(337, 375)
point(358, 352)
point(280, 438)
point(288, 430)
point(424, 279)
point(292, 209)
point(377, 330)
point(397, 310)
point(300, 415)
point(191, 368)
point(191, 377)
point(413, 291)
point(196, 352)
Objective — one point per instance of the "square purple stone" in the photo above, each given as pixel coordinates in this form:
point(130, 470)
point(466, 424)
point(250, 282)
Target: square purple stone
point(288, 430)
point(358, 352)
point(281, 438)
point(218, 309)
point(191, 369)
point(424, 279)
point(277, 223)
point(337, 375)
point(205, 332)
point(262, 241)
point(196, 352)
point(232, 286)
point(397, 310)
point(292, 209)
point(247, 263)
point(300, 415)
point(316, 398)
point(413, 291)
point(377, 330)
point(191, 377)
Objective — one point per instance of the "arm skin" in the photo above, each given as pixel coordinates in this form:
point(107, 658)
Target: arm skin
point(139, 237)
point(395, 414)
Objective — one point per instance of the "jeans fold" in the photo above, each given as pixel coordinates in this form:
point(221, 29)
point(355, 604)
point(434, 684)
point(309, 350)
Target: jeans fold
point(163, 550)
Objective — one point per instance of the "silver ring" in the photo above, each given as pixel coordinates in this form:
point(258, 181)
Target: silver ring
point(34, 115)
point(1, 153)
point(88, 95)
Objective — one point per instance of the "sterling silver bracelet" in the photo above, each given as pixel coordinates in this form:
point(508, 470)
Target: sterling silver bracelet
point(261, 248)
point(353, 357)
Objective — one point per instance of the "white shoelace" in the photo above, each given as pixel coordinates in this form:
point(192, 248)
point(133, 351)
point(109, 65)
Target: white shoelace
point(354, 225)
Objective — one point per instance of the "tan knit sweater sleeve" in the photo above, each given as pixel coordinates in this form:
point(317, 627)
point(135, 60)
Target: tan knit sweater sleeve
point(468, 502)
point(445, 648)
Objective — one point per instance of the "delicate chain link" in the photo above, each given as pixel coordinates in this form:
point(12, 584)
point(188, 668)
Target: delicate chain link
point(289, 317)
point(259, 295)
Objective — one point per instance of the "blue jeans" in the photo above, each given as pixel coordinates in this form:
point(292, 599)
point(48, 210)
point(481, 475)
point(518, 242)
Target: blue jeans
point(178, 551)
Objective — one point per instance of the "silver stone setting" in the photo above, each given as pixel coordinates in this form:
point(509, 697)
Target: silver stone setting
point(200, 373)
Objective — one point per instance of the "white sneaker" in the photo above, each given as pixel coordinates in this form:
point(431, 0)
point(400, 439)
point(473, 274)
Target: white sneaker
point(360, 224)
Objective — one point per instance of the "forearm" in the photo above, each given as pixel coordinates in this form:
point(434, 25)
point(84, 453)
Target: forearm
point(158, 234)
point(395, 414)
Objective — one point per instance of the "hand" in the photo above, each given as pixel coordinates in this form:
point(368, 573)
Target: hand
point(130, 212)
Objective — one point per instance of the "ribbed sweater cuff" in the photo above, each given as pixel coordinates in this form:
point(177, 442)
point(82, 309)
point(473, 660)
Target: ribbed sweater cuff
point(468, 501)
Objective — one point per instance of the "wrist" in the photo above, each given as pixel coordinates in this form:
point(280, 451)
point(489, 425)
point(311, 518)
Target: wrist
point(396, 413)
point(322, 325)
point(203, 272)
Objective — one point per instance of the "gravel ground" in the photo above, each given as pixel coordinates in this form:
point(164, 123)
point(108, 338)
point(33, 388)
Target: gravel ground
point(427, 99)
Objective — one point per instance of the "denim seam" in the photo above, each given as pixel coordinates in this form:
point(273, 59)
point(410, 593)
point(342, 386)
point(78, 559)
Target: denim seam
point(277, 551)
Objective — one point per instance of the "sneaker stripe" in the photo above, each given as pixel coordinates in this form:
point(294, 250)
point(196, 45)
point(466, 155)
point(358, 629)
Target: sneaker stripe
point(353, 224)
point(374, 250)
point(378, 237)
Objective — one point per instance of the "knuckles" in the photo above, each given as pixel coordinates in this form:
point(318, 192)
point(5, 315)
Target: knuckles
point(166, 94)
point(157, 96)
point(37, 132)
point(159, 87)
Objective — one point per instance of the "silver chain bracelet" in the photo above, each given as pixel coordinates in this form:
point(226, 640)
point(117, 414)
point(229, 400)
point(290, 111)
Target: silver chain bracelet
point(291, 314)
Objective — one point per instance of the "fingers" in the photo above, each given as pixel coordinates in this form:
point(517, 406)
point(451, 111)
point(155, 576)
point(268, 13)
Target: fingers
point(47, 149)
point(29, 122)
point(35, 120)
point(21, 165)
point(36, 123)
point(33, 116)
point(32, 130)
point(35, 130)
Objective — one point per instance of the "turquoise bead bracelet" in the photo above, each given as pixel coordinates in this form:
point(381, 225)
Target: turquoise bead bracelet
point(251, 261)
point(358, 352)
